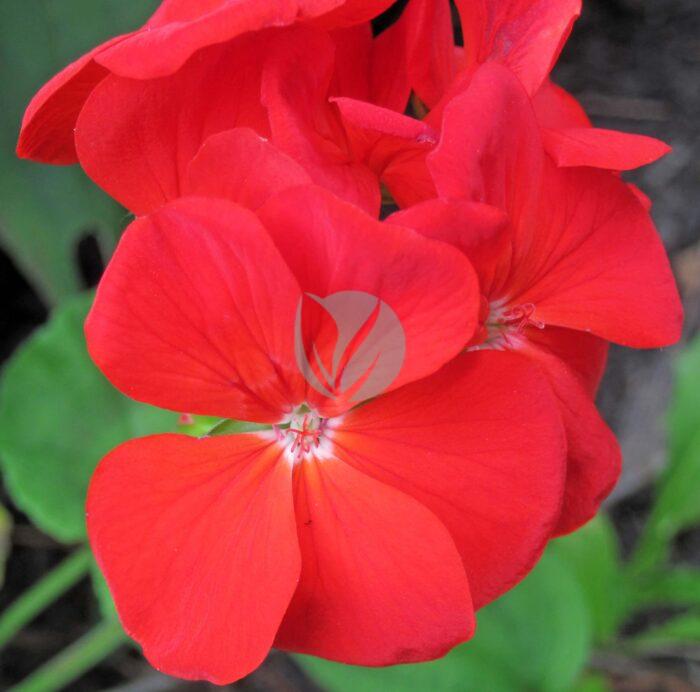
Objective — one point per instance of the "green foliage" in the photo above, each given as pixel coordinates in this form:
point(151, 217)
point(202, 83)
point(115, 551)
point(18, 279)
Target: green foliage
point(592, 554)
point(592, 683)
point(676, 506)
point(683, 629)
point(537, 637)
point(45, 210)
point(58, 417)
point(670, 586)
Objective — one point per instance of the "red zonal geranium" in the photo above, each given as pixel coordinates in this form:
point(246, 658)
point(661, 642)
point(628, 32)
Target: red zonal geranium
point(139, 107)
point(364, 531)
point(567, 258)
point(176, 31)
point(524, 35)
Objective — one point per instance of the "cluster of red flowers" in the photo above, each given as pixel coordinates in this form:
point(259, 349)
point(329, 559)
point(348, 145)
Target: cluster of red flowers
point(254, 140)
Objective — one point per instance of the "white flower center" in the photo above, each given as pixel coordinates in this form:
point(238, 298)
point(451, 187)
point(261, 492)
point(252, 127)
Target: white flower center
point(307, 436)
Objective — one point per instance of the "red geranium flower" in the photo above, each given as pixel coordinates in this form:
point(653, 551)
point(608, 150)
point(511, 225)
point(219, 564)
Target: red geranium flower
point(140, 106)
point(568, 259)
point(525, 36)
point(176, 31)
point(364, 534)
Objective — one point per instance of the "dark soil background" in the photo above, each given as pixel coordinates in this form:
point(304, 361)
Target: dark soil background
point(635, 64)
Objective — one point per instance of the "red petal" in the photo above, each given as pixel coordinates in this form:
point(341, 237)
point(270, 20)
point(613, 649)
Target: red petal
point(480, 231)
point(242, 166)
point(498, 158)
point(616, 151)
point(389, 83)
point(48, 124)
point(196, 313)
point(557, 108)
point(641, 196)
point(583, 353)
point(525, 35)
point(332, 246)
point(197, 541)
point(307, 127)
point(381, 580)
point(595, 262)
point(393, 146)
point(353, 61)
point(430, 48)
point(481, 444)
point(136, 138)
point(176, 33)
point(594, 460)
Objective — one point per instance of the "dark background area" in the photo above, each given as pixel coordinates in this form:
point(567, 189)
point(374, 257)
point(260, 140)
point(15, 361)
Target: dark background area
point(635, 65)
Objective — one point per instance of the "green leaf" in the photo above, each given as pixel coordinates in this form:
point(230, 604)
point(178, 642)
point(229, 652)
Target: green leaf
point(45, 210)
point(676, 507)
point(537, 637)
point(453, 673)
point(593, 556)
point(684, 412)
point(593, 683)
point(58, 417)
point(236, 427)
point(684, 629)
point(678, 586)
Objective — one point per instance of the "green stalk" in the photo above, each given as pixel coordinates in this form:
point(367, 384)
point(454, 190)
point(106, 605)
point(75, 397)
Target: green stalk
point(42, 594)
point(75, 660)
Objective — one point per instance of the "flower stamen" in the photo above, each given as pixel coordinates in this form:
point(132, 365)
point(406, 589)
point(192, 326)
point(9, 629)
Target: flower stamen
point(519, 317)
point(506, 325)
point(304, 435)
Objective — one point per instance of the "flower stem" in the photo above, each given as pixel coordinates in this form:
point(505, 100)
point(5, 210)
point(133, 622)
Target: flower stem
point(43, 593)
point(75, 660)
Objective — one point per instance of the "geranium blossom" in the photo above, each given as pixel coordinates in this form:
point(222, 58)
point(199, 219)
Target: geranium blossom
point(177, 30)
point(401, 468)
point(568, 259)
point(526, 37)
point(363, 534)
point(136, 138)
point(147, 101)
point(139, 107)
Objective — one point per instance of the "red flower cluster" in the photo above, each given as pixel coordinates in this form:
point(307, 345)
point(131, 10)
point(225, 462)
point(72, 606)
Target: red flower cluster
point(407, 462)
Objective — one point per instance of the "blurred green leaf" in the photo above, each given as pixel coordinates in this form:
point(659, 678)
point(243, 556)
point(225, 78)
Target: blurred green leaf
point(58, 417)
point(592, 554)
point(676, 506)
point(684, 411)
point(453, 673)
point(45, 210)
point(684, 629)
point(537, 637)
point(592, 683)
point(678, 586)
point(197, 426)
